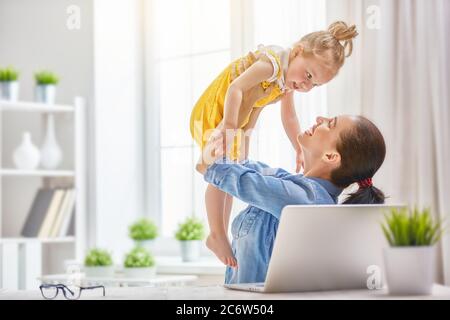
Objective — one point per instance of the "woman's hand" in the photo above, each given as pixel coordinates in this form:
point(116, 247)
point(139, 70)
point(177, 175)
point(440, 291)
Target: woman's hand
point(300, 160)
point(212, 151)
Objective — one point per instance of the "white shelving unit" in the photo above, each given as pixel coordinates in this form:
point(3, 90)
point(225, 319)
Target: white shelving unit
point(24, 260)
point(36, 173)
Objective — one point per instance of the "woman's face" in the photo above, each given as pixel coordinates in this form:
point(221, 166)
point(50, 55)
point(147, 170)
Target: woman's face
point(319, 141)
point(306, 72)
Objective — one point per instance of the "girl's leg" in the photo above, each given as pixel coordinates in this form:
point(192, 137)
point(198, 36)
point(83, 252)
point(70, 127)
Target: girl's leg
point(227, 211)
point(217, 240)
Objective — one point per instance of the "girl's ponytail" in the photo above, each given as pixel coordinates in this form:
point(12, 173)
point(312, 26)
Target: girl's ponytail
point(333, 44)
point(342, 32)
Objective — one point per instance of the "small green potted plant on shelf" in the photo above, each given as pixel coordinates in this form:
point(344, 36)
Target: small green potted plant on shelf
point(98, 263)
point(9, 85)
point(190, 233)
point(409, 261)
point(144, 232)
point(45, 90)
point(139, 263)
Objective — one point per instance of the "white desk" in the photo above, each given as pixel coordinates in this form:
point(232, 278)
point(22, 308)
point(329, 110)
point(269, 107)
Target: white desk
point(218, 292)
point(119, 280)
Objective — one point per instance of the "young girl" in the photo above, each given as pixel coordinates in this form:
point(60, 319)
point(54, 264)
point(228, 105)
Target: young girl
point(237, 96)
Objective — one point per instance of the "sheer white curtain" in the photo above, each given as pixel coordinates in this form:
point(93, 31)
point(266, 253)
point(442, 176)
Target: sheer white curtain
point(400, 79)
point(281, 23)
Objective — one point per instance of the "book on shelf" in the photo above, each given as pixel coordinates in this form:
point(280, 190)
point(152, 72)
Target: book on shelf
point(50, 214)
point(66, 215)
point(56, 225)
point(38, 210)
point(44, 231)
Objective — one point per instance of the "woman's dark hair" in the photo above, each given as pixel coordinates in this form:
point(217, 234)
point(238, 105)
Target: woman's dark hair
point(362, 151)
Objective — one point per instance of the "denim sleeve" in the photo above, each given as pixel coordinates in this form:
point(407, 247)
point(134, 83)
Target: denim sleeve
point(267, 193)
point(264, 169)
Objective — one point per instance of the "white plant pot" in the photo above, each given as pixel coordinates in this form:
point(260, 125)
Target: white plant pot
point(190, 250)
point(148, 245)
point(99, 272)
point(142, 273)
point(51, 154)
point(9, 90)
point(45, 93)
point(26, 156)
point(409, 270)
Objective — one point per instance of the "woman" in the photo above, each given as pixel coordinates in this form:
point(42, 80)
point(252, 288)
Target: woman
point(337, 152)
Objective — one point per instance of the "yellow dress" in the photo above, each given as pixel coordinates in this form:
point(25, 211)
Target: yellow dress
point(208, 111)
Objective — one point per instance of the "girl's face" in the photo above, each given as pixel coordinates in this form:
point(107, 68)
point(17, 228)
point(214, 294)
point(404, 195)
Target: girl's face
point(319, 142)
point(306, 72)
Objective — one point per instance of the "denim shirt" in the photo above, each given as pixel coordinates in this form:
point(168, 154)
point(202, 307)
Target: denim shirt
point(266, 190)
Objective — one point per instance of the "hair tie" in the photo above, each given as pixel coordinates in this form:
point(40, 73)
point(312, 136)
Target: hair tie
point(366, 183)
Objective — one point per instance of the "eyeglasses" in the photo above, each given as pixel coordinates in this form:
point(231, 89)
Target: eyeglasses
point(50, 291)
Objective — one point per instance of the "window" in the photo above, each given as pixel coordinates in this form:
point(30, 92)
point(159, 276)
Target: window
point(190, 44)
point(284, 23)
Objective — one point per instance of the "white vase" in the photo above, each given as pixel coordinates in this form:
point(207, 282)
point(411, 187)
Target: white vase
point(142, 273)
point(45, 93)
point(51, 155)
point(26, 156)
point(149, 245)
point(409, 270)
point(190, 250)
point(99, 272)
point(9, 90)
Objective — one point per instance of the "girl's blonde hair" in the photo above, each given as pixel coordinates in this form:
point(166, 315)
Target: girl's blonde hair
point(333, 45)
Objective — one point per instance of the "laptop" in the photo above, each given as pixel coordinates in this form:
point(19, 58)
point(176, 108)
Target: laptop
point(325, 247)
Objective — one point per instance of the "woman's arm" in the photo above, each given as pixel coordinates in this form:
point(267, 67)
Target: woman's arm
point(265, 170)
point(268, 193)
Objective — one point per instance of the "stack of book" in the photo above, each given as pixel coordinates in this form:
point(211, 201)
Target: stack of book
point(51, 215)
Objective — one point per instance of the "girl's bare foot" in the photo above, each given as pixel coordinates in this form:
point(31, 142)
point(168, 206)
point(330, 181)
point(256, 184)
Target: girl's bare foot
point(222, 249)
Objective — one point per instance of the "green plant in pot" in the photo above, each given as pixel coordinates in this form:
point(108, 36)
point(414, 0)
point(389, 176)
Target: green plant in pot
point(9, 84)
point(98, 263)
point(144, 232)
point(409, 261)
point(139, 263)
point(190, 233)
point(45, 91)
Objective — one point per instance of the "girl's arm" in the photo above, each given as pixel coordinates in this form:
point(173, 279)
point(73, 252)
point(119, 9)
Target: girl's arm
point(258, 72)
point(290, 119)
point(291, 124)
point(249, 128)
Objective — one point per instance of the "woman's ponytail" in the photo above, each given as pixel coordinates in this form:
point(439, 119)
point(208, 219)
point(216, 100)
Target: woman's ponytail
point(366, 195)
point(333, 44)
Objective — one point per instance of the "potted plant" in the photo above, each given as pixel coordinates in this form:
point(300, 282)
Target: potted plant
point(143, 232)
point(45, 90)
point(190, 233)
point(139, 263)
point(409, 261)
point(9, 86)
point(98, 263)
